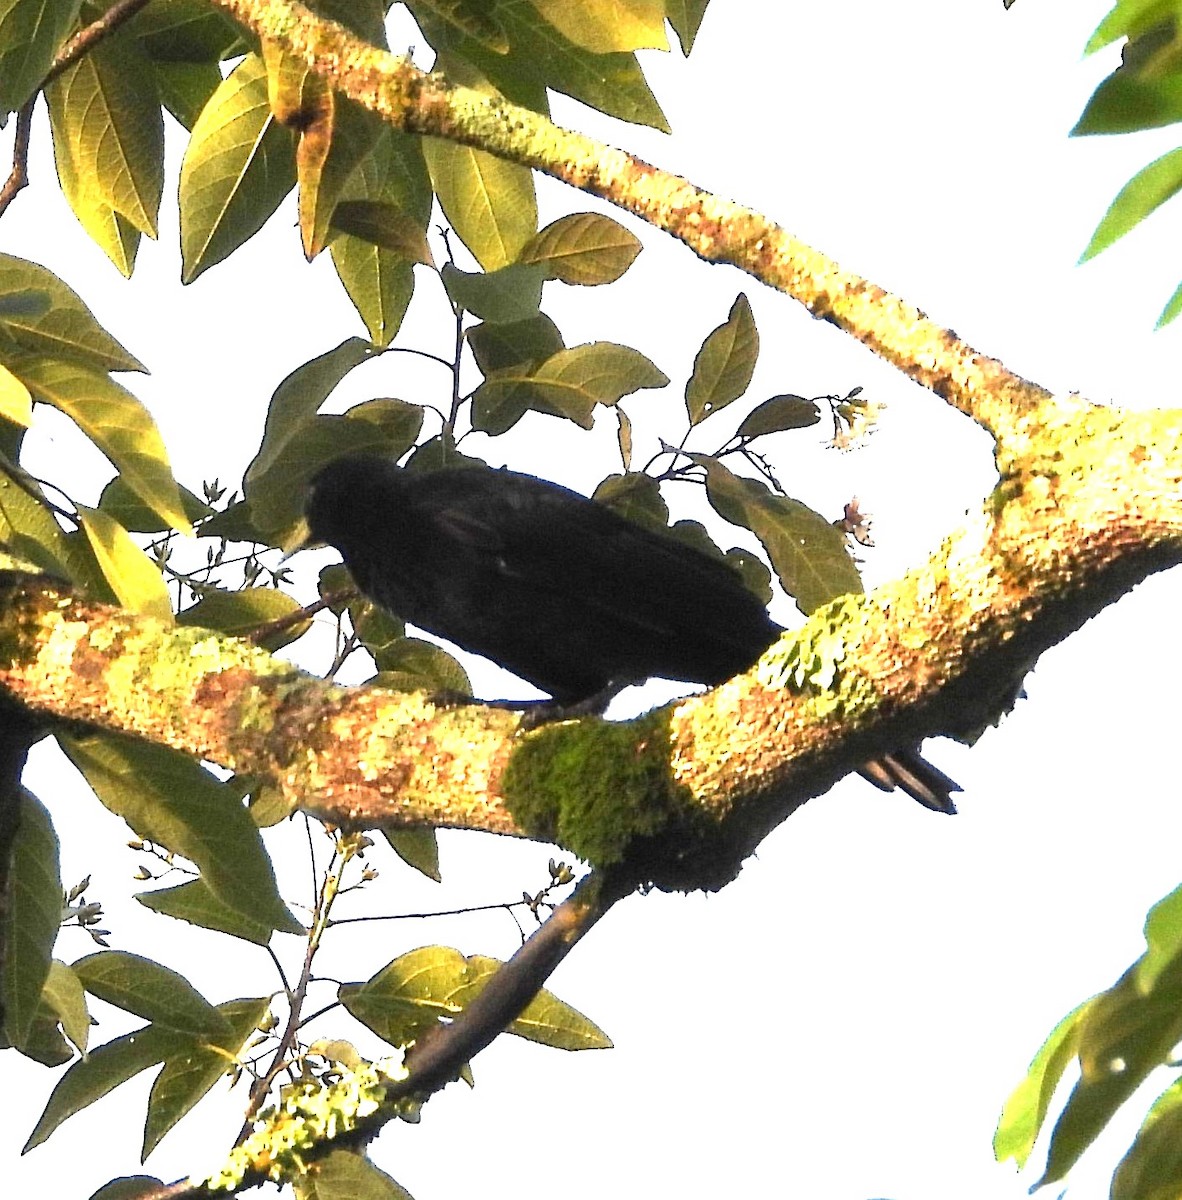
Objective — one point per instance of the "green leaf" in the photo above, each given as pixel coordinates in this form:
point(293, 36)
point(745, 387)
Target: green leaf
point(186, 88)
point(32, 916)
point(299, 397)
point(28, 530)
point(188, 31)
point(603, 26)
point(1163, 935)
point(134, 577)
point(172, 801)
point(1147, 190)
point(583, 248)
point(398, 421)
point(499, 345)
point(238, 166)
point(1125, 103)
point(1152, 1167)
point(195, 903)
point(44, 1042)
point(107, 123)
point(757, 579)
point(149, 990)
point(509, 295)
point(809, 555)
point(1026, 1109)
point(106, 1067)
point(347, 1175)
point(474, 19)
point(572, 381)
point(612, 83)
point(120, 501)
point(277, 498)
point(490, 203)
point(31, 33)
point(1124, 1034)
point(686, 18)
point(412, 664)
point(128, 1187)
point(66, 329)
point(118, 424)
point(418, 847)
point(636, 497)
point(238, 614)
point(65, 996)
point(191, 1073)
point(1172, 309)
point(380, 282)
point(408, 997)
point(779, 413)
point(1129, 18)
point(385, 226)
point(725, 363)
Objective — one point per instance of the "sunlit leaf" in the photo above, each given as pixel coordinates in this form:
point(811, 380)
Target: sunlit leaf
point(16, 404)
point(490, 203)
point(239, 165)
point(1147, 190)
point(134, 577)
point(107, 124)
point(118, 424)
point(602, 26)
point(31, 917)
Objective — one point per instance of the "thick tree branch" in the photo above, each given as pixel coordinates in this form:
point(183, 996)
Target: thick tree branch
point(1089, 504)
point(716, 229)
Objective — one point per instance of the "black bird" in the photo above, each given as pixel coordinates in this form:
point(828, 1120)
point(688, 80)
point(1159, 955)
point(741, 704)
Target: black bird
point(559, 589)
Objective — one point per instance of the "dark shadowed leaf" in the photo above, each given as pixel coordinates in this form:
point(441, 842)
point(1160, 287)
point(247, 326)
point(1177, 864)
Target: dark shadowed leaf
point(150, 990)
point(31, 917)
point(635, 496)
point(347, 1175)
point(239, 614)
point(195, 903)
point(189, 1074)
point(31, 33)
point(386, 226)
point(128, 1187)
point(418, 847)
point(412, 664)
point(497, 346)
point(508, 294)
point(779, 413)
point(120, 501)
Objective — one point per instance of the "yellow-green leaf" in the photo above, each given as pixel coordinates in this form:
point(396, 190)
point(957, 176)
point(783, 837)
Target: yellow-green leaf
point(385, 226)
point(65, 995)
point(16, 404)
point(240, 613)
point(134, 577)
point(478, 20)
point(107, 124)
point(418, 847)
point(238, 167)
point(490, 203)
point(118, 424)
point(583, 248)
point(347, 1175)
point(603, 26)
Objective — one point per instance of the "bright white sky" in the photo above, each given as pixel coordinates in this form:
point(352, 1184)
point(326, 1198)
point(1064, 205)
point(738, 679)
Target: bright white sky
point(846, 1019)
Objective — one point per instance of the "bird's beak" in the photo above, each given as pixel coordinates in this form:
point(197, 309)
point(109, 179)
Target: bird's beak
point(298, 538)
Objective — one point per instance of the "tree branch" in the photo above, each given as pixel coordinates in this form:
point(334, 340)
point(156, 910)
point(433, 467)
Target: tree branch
point(716, 229)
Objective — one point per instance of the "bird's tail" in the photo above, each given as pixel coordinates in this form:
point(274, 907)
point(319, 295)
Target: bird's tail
point(910, 771)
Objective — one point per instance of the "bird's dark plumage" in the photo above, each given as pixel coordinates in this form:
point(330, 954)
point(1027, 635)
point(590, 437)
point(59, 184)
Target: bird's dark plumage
point(557, 588)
